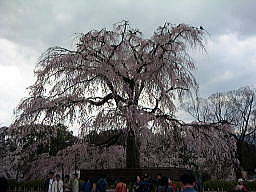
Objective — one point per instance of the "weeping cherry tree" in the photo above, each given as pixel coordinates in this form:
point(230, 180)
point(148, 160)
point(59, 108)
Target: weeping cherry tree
point(115, 79)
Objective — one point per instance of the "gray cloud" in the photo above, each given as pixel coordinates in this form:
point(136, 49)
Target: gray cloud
point(29, 27)
point(41, 24)
point(229, 64)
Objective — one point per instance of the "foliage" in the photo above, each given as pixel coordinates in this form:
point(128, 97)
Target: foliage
point(248, 160)
point(28, 185)
point(157, 150)
point(118, 80)
point(236, 108)
point(33, 143)
point(115, 79)
point(217, 185)
point(58, 141)
point(202, 147)
point(251, 185)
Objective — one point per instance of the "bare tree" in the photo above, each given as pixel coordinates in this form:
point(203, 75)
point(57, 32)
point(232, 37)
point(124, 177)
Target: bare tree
point(236, 108)
point(117, 79)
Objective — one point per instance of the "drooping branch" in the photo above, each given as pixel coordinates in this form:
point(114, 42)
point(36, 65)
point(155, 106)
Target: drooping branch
point(116, 78)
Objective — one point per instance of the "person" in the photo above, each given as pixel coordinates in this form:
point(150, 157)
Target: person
point(158, 181)
point(3, 184)
point(171, 186)
point(102, 184)
point(75, 183)
point(87, 186)
point(137, 185)
point(94, 185)
point(66, 184)
point(163, 185)
point(188, 182)
point(49, 182)
point(121, 186)
point(57, 185)
point(240, 186)
point(146, 185)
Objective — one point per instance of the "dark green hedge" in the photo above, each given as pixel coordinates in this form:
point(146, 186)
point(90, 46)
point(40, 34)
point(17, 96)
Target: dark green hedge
point(33, 185)
point(251, 185)
point(214, 185)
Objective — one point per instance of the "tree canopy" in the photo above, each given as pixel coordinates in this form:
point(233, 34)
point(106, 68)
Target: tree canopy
point(115, 79)
point(236, 108)
point(118, 73)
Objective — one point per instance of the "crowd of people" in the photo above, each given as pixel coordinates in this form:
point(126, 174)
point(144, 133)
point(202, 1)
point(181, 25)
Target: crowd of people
point(161, 184)
point(141, 184)
point(55, 184)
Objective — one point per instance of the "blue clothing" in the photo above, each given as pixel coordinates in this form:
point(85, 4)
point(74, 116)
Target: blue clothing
point(146, 186)
point(101, 185)
point(189, 189)
point(87, 187)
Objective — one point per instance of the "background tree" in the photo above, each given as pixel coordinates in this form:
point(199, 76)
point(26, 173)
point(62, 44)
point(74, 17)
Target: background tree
point(60, 138)
point(122, 79)
point(3, 141)
point(202, 147)
point(236, 108)
point(24, 145)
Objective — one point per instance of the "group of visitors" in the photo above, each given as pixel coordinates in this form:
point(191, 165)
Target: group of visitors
point(55, 184)
point(145, 184)
point(161, 184)
point(93, 186)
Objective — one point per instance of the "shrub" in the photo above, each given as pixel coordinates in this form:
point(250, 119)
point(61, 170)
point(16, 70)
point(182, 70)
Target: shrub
point(251, 185)
point(28, 185)
point(215, 185)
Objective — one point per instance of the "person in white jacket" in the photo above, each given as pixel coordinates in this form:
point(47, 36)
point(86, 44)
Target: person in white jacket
point(57, 185)
point(75, 183)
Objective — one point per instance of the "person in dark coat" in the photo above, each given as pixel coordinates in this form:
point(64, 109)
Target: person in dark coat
point(146, 185)
point(102, 184)
point(49, 182)
point(137, 185)
point(158, 181)
point(87, 186)
point(188, 182)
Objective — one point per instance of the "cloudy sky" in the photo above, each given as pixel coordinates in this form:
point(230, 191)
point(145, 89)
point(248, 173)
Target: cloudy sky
point(29, 27)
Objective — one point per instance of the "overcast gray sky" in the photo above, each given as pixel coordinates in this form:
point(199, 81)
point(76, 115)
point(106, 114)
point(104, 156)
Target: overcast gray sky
point(29, 27)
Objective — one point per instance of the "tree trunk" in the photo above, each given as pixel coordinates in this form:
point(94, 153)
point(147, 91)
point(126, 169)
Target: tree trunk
point(238, 170)
point(132, 152)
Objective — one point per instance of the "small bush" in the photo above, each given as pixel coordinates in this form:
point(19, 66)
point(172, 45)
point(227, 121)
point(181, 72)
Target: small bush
point(250, 185)
point(28, 185)
point(215, 185)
